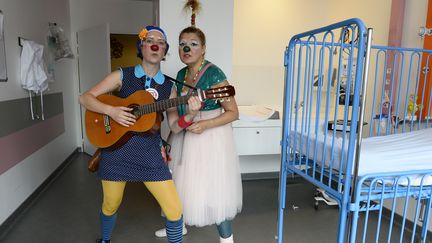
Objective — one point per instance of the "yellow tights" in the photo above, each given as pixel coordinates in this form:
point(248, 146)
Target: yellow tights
point(164, 192)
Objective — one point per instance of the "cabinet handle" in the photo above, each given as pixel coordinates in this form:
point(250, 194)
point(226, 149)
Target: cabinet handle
point(257, 132)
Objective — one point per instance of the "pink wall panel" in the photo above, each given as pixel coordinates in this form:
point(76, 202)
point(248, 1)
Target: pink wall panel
point(19, 145)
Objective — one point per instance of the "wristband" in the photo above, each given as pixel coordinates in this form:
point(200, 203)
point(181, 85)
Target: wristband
point(183, 123)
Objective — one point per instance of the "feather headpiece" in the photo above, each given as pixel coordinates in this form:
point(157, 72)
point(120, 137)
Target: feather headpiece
point(195, 7)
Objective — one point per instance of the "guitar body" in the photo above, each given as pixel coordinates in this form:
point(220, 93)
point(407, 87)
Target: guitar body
point(105, 135)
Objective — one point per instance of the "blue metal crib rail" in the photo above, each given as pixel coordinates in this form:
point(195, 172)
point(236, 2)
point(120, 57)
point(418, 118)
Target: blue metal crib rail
point(394, 207)
point(326, 78)
point(401, 200)
point(310, 77)
point(398, 89)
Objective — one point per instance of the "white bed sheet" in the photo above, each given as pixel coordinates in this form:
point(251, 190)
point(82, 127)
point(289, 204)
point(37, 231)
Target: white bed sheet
point(255, 113)
point(392, 153)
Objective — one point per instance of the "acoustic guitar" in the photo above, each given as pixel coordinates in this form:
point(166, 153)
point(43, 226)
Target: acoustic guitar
point(102, 131)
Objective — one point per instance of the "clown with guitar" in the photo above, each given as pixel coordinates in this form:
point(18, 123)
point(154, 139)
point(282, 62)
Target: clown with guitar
point(205, 163)
point(140, 157)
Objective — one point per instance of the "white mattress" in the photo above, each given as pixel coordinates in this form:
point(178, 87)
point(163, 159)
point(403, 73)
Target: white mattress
point(392, 153)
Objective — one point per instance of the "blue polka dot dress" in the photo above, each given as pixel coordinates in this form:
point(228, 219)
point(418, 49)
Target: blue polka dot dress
point(140, 158)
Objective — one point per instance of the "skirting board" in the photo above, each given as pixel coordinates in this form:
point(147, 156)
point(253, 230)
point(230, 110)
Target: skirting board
point(259, 176)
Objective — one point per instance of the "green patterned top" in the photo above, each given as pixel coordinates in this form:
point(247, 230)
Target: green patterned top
point(211, 76)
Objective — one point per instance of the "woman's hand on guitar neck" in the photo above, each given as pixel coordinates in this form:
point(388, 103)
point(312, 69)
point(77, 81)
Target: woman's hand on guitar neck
point(194, 106)
point(122, 115)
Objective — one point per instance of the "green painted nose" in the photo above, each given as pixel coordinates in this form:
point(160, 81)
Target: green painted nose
point(186, 49)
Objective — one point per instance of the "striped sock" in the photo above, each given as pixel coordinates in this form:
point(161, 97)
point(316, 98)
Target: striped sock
point(107, 225)
point(174, 230)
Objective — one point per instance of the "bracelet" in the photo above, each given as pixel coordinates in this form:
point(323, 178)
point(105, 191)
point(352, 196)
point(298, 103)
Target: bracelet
point(183, 123)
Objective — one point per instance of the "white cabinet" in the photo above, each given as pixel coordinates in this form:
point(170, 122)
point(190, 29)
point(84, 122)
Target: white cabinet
point(258, 145)
point(256, 138)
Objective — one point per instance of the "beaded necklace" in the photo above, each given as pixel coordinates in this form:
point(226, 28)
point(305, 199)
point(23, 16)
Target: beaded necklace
point(196, 74)
point(182, 108)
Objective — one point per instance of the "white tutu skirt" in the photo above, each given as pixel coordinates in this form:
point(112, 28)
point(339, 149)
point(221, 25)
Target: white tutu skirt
point(206, 172)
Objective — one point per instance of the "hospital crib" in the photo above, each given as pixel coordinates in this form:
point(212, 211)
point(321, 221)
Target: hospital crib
point(367, 145)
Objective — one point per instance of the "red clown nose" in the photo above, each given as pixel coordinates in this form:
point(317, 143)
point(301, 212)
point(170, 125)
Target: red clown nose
point(154, 47)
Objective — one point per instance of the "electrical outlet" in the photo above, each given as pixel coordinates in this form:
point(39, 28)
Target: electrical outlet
point(345, 69)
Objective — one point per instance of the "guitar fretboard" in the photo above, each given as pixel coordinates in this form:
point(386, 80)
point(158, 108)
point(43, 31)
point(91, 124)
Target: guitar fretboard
point(161, 105)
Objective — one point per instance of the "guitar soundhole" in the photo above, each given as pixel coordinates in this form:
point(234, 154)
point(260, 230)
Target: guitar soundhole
point(135, 110)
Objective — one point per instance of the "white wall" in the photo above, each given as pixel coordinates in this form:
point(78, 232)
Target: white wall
point(123, 16)
point(216, 26)
point(374, 14)
point(262, 31)
point(415, 17)
point(29, 19)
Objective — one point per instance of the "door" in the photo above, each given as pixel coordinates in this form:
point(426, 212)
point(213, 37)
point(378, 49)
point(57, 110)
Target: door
point(425, 84)
point(93, 65)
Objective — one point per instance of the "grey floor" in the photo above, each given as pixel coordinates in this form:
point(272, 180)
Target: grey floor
point(67, 211)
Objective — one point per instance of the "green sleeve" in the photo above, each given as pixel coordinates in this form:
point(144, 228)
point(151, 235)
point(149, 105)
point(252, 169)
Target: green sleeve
point(212, 76)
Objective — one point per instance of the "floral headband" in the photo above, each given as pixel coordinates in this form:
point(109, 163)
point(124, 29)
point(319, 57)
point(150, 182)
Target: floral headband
point(142, 35)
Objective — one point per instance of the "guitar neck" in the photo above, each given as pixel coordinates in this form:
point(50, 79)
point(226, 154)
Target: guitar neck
point(161, 105)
